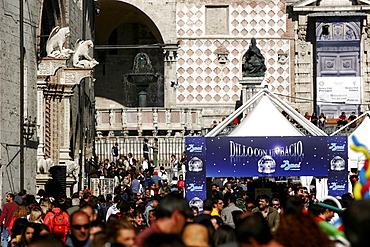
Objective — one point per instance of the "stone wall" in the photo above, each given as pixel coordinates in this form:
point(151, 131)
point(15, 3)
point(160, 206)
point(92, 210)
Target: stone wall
point(9, 91)
point(206, 27)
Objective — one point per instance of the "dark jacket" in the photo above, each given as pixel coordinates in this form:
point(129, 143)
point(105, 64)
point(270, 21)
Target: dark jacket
point(272, 218)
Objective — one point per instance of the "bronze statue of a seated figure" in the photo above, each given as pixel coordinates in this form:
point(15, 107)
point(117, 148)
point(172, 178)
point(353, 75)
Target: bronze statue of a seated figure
point(253, 62)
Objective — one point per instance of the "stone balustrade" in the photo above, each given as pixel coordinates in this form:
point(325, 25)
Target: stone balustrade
point(148, 119)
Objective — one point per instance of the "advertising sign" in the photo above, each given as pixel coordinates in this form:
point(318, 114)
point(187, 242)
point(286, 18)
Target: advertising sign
point(196, 171)
point(338, 165)
point(266, 156)
point(339, 90)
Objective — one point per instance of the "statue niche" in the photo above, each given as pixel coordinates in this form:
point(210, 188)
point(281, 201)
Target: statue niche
point(253, 62)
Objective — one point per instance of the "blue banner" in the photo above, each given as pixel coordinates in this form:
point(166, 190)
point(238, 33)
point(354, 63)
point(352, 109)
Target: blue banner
point(338, 165)
point(266, 156)
point(196, 190)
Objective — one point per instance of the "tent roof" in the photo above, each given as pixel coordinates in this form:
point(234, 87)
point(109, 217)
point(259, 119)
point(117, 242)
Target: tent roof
point(256, 127)
point(265, 120)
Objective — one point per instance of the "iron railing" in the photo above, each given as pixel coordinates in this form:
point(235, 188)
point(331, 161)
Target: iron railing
point(168, 145)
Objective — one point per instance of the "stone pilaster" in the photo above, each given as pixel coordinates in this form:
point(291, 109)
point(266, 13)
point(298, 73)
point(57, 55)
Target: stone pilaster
point(47, 68)
point(56, 87)
point(303, 65)
point(366, 63)
point(170, 78)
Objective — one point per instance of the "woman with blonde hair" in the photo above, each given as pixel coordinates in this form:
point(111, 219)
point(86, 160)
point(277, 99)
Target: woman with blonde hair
point(20, 212)
point(45, 205)
point(36, 215)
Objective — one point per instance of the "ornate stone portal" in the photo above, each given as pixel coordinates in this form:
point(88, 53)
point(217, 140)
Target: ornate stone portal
point(64, 105)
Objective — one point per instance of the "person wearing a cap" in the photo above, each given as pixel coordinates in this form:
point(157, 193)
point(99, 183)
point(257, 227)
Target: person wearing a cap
point(156, 178)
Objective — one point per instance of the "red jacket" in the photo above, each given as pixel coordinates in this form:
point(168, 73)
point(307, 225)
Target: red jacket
point(49, 221)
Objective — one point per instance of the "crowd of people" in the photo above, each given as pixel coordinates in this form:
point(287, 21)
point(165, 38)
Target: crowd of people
point(228, 218)
point(321, 120)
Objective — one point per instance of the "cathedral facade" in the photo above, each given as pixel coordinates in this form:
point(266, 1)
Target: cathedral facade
point(315, 54)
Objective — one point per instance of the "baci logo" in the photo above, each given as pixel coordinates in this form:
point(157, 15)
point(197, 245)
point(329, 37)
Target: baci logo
point(287, 166)
point(337, 186)
point(335, 147)
point(195, 187)
point(193, 148)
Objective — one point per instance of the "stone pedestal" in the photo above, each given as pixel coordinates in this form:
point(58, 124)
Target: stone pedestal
point(71, 186)
point(42, 180)
point(250, 86)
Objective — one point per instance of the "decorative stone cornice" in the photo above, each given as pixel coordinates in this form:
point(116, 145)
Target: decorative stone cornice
point(73, 76)
point(170, 52)
point(49, 66)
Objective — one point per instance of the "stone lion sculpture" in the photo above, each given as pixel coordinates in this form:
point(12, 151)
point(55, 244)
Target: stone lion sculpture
point(81, 58)
point(43, 165)
point(55, 42)
point(72, 168)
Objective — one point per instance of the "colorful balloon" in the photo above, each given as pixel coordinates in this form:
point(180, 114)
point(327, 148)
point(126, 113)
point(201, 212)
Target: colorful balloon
point(362, 187)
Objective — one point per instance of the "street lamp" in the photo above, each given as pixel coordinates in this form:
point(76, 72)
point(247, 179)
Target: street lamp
point(29, 127)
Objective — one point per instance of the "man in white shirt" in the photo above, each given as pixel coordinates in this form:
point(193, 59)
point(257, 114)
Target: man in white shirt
point(144, 163)
point(174, 166)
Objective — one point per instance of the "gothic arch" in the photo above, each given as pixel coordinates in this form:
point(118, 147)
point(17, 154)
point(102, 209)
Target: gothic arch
point(115, 13)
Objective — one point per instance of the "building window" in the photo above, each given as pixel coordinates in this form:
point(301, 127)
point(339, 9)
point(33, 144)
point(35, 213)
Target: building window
point(216, 20)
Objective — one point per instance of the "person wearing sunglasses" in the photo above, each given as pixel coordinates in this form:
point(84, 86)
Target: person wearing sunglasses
point(275, 203)
point(79, 230)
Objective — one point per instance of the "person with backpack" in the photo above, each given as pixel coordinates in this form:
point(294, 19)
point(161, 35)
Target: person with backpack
point(58, 221)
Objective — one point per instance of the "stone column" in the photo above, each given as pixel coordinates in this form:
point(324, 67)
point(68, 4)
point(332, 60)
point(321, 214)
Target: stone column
point(303, 66)
point(366, 64)
point(170, 59)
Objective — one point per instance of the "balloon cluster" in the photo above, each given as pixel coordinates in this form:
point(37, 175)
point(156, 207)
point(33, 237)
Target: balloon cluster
point(362, 187)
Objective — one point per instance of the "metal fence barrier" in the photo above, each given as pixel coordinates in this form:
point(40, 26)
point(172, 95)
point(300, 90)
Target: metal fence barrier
point(168, 145)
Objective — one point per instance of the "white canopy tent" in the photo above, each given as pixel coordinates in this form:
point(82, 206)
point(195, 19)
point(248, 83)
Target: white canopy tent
point(267, 120)
point(362, 133)
point(257, 127)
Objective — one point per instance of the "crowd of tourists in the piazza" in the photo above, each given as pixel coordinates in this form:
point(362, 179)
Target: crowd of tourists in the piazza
point(148, 208)
point(291, 216)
